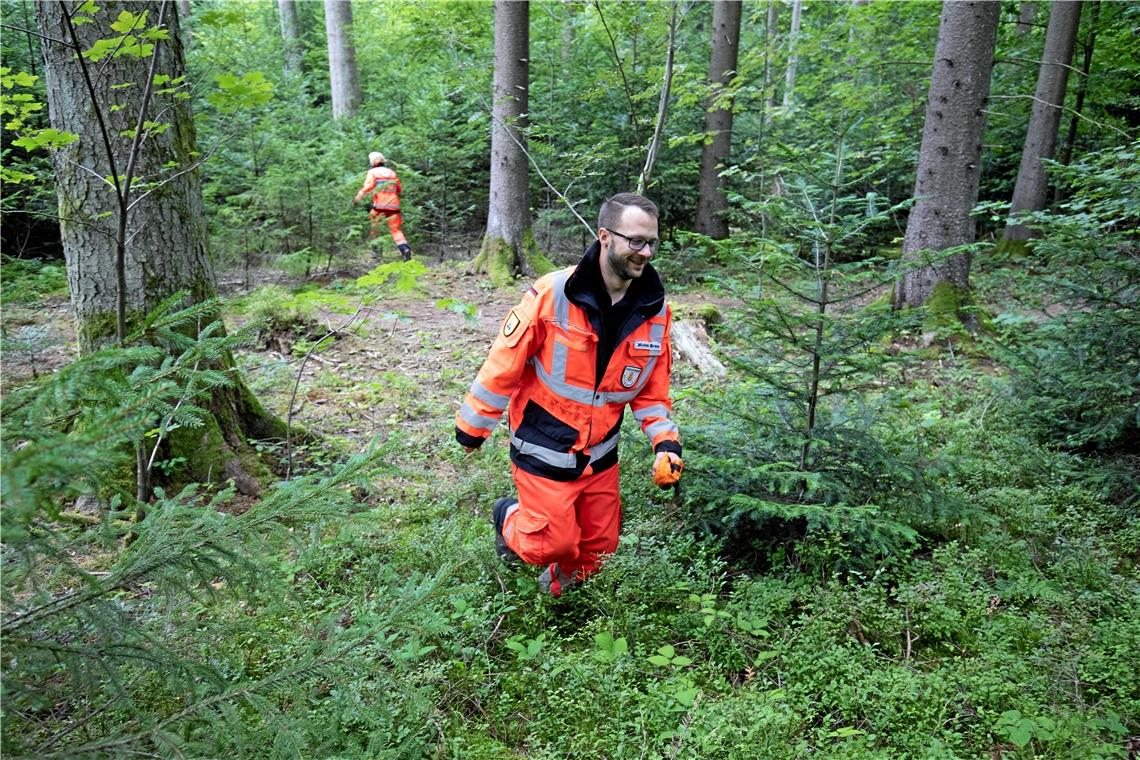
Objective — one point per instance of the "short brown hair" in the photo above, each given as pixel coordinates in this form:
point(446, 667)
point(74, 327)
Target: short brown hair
point(612, 209)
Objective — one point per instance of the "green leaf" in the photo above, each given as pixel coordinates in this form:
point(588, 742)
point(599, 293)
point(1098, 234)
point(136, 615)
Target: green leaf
point(659, 660)
point(128, 22)
point(45, 138)
point(667, 651)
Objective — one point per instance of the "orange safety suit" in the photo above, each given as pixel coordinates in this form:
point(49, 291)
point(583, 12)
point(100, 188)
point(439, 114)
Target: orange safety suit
point(385, 187)
point(567, 398)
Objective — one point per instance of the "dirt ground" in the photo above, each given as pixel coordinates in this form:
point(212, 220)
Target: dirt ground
point(399, 360)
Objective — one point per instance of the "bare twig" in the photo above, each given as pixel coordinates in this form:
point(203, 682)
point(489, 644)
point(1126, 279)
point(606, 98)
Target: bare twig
point(651, 154)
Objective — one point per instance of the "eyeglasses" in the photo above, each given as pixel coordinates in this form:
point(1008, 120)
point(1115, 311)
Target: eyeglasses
point(637, 244)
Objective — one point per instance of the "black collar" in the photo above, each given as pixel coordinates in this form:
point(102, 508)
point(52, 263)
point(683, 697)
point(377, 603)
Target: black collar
point(586, 287)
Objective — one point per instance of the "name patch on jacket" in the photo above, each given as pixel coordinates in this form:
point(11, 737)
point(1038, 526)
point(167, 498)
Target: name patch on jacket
point(630, 374)
point(647, 345)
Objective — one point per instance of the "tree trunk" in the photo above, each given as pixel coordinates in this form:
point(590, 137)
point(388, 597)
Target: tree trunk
point(712, 202)
point(161, 238)
point(790, 75)
point(1025, 17)
point(1031, 188)
point(291, 36)
point(1082, 91)
point(770, 34)
point(343, 80)
point(949, 160)
point(509, 247)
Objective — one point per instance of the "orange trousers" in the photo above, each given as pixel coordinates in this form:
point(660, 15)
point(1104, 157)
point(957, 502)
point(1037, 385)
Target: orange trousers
point(574, 524)
point(394, 220)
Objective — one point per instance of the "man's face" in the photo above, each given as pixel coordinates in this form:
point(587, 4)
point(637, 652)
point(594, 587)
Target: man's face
point(620, 258)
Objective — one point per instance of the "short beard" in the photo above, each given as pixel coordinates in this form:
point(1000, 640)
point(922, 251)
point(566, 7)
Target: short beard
point(617, 265)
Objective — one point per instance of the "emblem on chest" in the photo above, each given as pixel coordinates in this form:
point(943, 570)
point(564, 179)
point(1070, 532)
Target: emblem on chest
point(629, 376)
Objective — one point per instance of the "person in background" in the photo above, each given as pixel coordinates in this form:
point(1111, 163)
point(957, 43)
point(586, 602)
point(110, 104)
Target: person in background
point(385, 187)
point(583, 344)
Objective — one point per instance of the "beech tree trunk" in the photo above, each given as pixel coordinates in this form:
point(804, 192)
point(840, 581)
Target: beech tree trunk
point(949, 159)
point(291, 36)
point(1031, 189)
point(343, 80)
point(712, 202)
point(162, 237)
point(793, 60)
point(1082, 91)
point(508, 246)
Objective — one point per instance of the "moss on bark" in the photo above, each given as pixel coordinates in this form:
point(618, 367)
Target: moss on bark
point(499, 259)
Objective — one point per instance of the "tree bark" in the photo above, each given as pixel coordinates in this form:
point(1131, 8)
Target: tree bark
point(1082, 91)
point(949, 160)
point(159, 233)
point(508, 246)
point(770, 34)
point(793, 60)
point(291, 36)
point(1026, 15)
point(712, 203)
point(343, 80)
point(1031, 188)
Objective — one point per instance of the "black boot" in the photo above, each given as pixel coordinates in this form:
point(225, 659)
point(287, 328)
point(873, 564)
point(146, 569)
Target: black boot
point(406, 251)
point(498, 517)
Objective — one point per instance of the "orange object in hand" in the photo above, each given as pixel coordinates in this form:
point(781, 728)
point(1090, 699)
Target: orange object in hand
point(667, 469)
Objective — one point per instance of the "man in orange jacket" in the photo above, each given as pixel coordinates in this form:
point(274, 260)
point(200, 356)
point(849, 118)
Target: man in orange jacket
point(385, 187)
point(584, 343)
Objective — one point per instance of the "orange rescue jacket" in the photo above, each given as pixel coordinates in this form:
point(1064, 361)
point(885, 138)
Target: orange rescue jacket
point(387, 188)
point(544, 366)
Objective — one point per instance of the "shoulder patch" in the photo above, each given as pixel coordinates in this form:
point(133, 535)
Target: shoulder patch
point(510, 324)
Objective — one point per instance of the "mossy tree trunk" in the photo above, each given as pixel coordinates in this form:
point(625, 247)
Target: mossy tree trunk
point(949, 159)
point(130, 244)
point(508, 246)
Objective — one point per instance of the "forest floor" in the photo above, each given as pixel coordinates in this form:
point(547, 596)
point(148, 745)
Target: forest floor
point(392, 358)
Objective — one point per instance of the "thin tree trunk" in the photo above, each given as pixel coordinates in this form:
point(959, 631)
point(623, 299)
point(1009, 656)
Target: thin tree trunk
point(1031, 188)
point(343, 80)
point(662, 105)
point(771, 32)
point(508, 243)
point(1027, 13)
point(793, 60)
point(949, 160)
point(291, 36)
point(1082, 90)
point(712, 202)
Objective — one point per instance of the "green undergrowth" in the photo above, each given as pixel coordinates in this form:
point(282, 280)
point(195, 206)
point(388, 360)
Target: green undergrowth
point(942, 584)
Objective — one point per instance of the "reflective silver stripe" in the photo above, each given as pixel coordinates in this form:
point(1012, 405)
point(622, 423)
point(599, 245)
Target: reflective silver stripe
point(494, 400)
point(657, 428)
point(603, 448)
point(564, 460)
point(657, 410)
point(476, 420)
point(561, 302)
point(558, 386)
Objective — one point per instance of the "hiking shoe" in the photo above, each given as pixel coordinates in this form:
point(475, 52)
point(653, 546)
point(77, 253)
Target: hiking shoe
point(553, 580)
point(405, 251)
point(499, 511)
